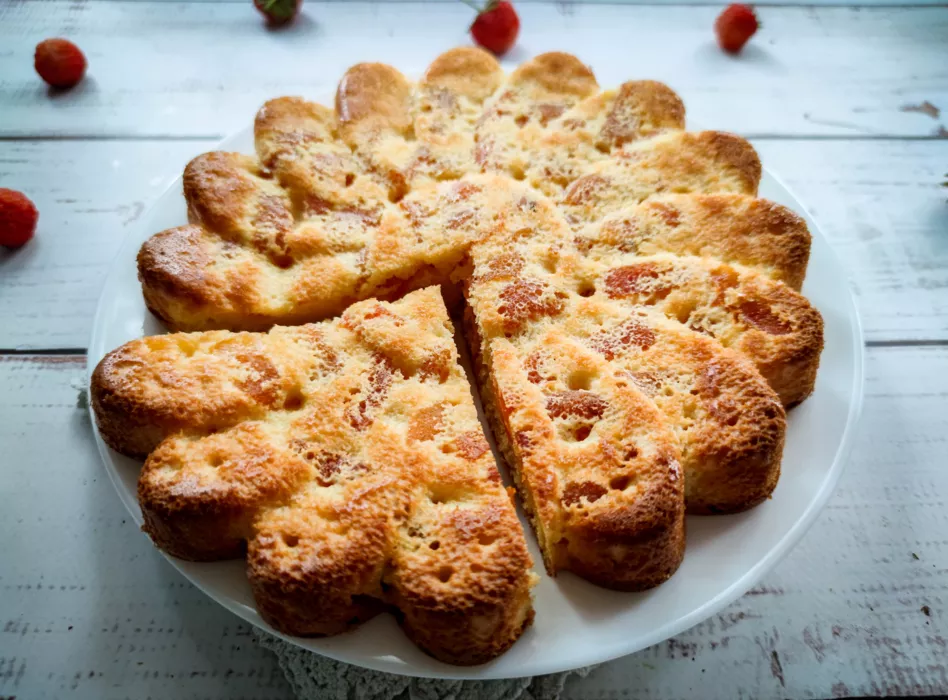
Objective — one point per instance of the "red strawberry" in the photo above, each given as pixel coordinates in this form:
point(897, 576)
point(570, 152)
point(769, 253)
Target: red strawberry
point(59, 62)
point(17, 218)
point(278, 12)
point(735, 26)
point(496, 27)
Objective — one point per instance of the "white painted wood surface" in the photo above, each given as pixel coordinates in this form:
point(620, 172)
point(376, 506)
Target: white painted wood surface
point(185, 69)
point(88, 609)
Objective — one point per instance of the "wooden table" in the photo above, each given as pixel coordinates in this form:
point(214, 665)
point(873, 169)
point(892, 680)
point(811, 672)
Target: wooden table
point(842, 102)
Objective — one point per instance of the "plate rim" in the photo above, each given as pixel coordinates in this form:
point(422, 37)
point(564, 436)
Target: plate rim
point(732, 592)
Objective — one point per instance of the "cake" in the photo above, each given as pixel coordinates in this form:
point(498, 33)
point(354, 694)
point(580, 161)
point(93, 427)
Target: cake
point(344, 459)
point(633, 309)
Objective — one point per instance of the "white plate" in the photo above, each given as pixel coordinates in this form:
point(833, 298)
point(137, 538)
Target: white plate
point(577, 624)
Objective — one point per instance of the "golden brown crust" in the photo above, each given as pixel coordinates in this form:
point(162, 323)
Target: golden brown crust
point(465, 70)
point(172, 267)
point(640, 109)
point(472, 628)
point(286, 123)
point(374, 93)
point(299, 142)
point(193, 280)
point(555, 73)
point(612, 517)
point(123, 424)
point(680, 162)
point(550, 140)
point(614, 318)
point(782, 335)
point(200, 495)
point(737, 153)
point(733, 228)
point(736, 449)
point(774, 326)
point(226, 194)
point(515, 134)
point(145, 390)
point(346, 457)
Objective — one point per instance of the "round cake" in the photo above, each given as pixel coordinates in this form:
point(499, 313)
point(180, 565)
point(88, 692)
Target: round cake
point(633, 312)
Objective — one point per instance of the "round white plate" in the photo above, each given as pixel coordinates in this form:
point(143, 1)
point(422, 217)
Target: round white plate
point(576, 624)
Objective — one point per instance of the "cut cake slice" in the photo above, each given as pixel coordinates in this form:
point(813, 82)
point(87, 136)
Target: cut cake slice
point(345, 457)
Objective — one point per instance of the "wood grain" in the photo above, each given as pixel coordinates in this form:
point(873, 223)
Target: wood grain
point(88, 610)
point(880, 203)
point(883, 207)
point(842, 615)
point(199, 69)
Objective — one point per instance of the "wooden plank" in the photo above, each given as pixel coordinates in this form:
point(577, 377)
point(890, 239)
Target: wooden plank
point(844, 614)
point(883, 207)
point(880, 203)
point(161, 69)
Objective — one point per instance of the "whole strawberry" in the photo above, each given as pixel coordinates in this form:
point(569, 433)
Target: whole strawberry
point(496, 27)
point(278, 12)
point(59, 62)
point(735, 26)
point(17, 218)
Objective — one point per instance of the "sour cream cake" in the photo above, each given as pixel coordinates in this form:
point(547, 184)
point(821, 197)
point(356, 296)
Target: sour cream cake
point(633, 310)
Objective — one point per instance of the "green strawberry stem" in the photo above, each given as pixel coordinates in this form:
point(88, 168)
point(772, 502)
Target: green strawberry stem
point(279, 8)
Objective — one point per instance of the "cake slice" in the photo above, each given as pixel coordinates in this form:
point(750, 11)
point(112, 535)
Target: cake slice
point(553, 155)
point(345, 458)
point(597, 467)
point(775, 327)
point(679, 162)
point(300, 145)
point(732, 228)
point(414, 133)
point(531, 291)
point(450, 99)
point(515, 119)
point(730, 424)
